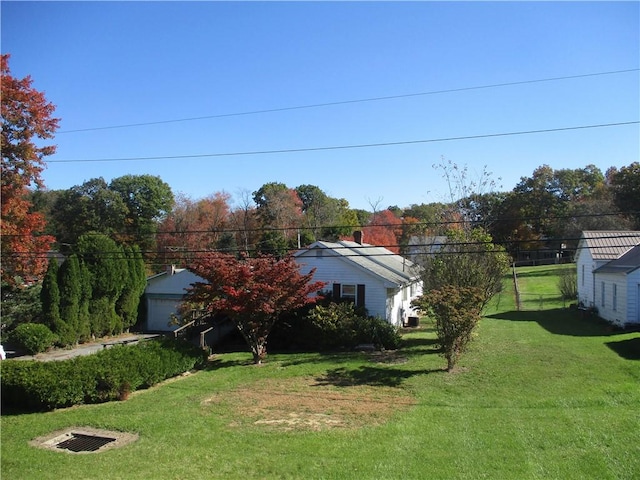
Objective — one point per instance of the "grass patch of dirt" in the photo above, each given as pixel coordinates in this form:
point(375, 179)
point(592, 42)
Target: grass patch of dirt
point(305, 403)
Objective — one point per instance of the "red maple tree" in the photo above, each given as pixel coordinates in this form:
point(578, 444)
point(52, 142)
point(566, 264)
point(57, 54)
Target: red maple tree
point(251, 291)
point(26, 116)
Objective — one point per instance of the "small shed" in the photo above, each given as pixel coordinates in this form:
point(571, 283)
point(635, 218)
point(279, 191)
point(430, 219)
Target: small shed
point(619, 283)
point(608, 275)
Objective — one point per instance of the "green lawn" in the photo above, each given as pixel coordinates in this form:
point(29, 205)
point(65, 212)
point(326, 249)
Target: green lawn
point(539, 289)
point(540, 395)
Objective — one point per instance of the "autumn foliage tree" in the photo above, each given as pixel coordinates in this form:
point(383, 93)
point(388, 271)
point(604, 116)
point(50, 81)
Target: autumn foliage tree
point(26, 117)
point(251, 291)
point(279, 210)
point(194, 225)
point(384, 230)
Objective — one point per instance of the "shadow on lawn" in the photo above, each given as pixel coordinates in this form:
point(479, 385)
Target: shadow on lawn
point(563, 321)
point(542, 272)
point(369, 376)
point(627, 349)
point(218, 363)
point(419, 343)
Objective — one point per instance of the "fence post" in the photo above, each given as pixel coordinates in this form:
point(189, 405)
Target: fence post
point(515, 286)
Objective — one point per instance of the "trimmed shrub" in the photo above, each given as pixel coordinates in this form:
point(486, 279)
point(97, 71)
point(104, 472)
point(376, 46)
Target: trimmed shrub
point(107, 375)
point(33, 337)
point(341, 325)
point(378, 331)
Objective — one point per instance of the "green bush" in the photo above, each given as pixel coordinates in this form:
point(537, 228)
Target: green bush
point(33, 337)
point(341, 325)
point(568, 284)
point(378, 331)
point(101, 377)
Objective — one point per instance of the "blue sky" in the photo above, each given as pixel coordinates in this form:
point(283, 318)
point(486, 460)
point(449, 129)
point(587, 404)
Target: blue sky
point(107, 64)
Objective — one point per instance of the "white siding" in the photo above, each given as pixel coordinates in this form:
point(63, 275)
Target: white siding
point(382, 298)
point(588, 287)
point(613, 282)
point(584, 265)
point(332, 269)
point(633, 297)
point(399, 304)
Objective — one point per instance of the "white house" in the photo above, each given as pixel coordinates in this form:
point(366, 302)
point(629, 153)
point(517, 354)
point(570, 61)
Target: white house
point(374, 277)
point(163, 294)
point(608, 271)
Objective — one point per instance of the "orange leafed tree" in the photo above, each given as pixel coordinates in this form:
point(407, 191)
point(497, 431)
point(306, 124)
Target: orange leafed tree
point(26, 117)
point(193, 226)
point(384, 230)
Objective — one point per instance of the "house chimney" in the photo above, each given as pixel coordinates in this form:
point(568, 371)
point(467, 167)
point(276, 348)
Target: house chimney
point(171, 269)
point(357, 236)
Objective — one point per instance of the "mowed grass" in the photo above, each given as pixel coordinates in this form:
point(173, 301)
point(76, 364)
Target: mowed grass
point(540, 395)
point(539, 288)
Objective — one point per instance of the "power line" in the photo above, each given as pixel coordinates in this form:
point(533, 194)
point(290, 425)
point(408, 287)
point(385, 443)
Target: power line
point(345, 147)
point(262, 229)
point(180, 252)
point(347, 102)
point(180, 255)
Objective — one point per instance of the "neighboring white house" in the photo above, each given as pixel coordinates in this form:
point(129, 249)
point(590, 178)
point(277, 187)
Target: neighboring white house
point(163, 294)
point(373, 277)
point(608, 270)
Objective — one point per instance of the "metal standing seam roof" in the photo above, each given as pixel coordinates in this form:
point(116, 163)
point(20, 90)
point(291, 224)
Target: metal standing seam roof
point(627, 263)
point(610, 244)
point(378, 260)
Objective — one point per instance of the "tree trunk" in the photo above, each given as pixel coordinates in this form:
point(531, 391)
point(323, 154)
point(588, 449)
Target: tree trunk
point(259, 350)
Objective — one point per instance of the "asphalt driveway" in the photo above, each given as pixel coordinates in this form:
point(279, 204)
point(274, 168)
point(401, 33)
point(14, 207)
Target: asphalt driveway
point(84, 349)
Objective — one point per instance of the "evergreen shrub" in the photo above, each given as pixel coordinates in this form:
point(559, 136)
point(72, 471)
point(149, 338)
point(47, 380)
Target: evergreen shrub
point(33, 337)
point(100, 377)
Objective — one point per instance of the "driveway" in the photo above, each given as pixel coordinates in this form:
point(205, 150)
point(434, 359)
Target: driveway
point(84, 349)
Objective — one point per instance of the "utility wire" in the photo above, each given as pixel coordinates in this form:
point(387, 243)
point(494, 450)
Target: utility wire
point(347, 102)
point(181, 254)
point(446, 248)
point(439, 223)
point(345, 147)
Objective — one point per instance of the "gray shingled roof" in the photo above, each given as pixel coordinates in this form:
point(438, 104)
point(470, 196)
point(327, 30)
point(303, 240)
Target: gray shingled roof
point(627, 263)
point(610, 244)
point(378, 260)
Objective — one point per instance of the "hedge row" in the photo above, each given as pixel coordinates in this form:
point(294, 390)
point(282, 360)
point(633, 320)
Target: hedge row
point(107, 375)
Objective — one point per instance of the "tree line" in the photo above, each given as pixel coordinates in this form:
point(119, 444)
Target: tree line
point(549, 209)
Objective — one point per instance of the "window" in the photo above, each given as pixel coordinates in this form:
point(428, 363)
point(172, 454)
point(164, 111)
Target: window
point(582, 275)
point(602, 294)
point(615, 297)
point(349, 292)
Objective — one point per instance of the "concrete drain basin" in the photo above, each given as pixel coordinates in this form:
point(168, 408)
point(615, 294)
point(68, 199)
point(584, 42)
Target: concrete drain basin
point(83, 440)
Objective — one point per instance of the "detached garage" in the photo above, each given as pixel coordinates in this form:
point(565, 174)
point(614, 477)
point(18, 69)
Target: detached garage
point(163, 295)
